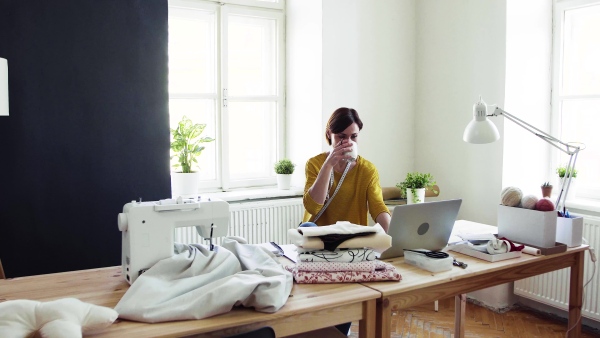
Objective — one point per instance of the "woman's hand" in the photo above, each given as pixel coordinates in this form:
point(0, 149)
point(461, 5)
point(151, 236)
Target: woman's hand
point(339, 154)
point(337, 157)
point(384, 220)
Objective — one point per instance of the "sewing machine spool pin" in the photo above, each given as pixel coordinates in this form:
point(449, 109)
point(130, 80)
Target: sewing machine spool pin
point(212, 227)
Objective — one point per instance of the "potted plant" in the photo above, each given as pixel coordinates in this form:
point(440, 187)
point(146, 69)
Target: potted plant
point(414, 185)
point(546, 189)
point(562, 173)
point(186, 146)
point(284, 170)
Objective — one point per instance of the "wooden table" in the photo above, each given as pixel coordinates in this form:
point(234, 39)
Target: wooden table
point(420, 286)
point(309, 307)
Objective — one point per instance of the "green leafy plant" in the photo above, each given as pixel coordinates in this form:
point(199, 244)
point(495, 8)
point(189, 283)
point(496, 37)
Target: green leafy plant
point(562, 171)
point(415, 181)
point(186, 143)
point(285, 167)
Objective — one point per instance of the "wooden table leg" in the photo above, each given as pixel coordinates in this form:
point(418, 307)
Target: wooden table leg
point(576, 295)
point(460, 302)
point(383, 326)
point(366, 326)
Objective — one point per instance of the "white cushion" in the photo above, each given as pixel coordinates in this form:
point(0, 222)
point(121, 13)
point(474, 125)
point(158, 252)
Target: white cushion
point(67, 317)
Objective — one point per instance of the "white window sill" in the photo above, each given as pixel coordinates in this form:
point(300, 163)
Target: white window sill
point(245, 195)
point(581, 205)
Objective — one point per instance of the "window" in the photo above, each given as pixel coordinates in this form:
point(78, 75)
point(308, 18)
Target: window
point(576, 88)
point(226, 70)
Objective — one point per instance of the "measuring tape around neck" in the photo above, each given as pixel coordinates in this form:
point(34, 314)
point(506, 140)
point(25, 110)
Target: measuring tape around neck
point(335, 192)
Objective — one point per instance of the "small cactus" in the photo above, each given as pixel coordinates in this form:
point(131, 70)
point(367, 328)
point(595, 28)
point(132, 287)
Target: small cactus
point(546, 185)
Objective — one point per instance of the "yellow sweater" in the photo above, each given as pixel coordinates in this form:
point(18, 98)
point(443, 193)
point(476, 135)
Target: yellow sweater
point(360, 193)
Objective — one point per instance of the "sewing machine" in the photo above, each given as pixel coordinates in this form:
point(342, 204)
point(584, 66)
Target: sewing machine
point(148, 229)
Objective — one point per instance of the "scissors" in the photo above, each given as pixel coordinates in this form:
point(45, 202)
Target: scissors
point(431, 254)
point(281, 252)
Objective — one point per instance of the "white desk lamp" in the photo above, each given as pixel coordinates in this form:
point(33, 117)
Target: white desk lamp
point(481, 130)
point(3, 87)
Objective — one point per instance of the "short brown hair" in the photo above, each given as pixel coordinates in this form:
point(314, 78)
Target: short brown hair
point(341, 119)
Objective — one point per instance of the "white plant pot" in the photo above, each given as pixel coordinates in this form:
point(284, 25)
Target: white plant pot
point(284, 181)
point(184, 184)
point(420, 196)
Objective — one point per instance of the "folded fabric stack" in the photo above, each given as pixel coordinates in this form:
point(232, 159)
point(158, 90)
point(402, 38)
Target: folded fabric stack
point(341, 253)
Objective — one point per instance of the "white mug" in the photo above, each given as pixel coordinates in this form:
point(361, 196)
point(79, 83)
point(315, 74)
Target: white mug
point(353, 152)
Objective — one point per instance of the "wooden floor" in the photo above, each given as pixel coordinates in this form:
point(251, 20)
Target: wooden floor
point(423, 321)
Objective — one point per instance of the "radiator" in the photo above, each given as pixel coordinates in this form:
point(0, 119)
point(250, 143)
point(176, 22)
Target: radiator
point(553, 288)
point(257, 222)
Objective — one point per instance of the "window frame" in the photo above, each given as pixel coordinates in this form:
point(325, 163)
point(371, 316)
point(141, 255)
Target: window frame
point(279, 97)
point(557, 98)
point(262, 9)
point(277, 4)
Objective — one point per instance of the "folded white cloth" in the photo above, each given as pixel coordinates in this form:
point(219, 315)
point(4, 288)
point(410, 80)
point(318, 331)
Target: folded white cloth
point(342, 227)
point(378, 241)
point(338, 255)
point(198, 283)
point(497, 246)
point(493, 246)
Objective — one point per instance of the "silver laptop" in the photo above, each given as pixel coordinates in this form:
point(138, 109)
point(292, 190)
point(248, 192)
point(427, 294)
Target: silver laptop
point(421, 226)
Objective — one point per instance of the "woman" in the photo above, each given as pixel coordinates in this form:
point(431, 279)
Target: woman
point(360, 191)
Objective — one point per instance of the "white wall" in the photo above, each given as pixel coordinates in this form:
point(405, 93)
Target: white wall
point(304, 67)
point(368, 64)
point(528, 79)
point(367, 54)
point(460, 55)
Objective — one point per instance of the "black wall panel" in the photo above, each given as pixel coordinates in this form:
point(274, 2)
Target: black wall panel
point(88, 128)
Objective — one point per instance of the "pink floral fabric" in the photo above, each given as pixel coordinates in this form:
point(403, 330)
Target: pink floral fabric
point(389, 273)
point(341, 266)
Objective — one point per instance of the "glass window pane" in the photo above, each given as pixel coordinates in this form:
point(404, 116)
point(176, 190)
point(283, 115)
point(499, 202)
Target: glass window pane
point(199, 111)
point(581, 72)
point(252, 139)
point(580, 124)
point(192, 49)
point(252, 58)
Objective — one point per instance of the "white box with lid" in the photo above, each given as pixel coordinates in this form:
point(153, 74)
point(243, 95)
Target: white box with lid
point(527, 226)
point(430, 264)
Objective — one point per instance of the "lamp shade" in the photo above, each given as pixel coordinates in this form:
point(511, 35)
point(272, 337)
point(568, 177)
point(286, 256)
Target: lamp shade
point(3, 87)
point(480, 130)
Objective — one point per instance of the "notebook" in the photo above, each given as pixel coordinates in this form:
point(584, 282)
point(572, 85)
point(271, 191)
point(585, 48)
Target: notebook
point(421, 226)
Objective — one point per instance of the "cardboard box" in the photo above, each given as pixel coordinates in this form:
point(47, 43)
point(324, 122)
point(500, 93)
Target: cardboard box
point(467, 250)
point(527, 226)
point(569, 231)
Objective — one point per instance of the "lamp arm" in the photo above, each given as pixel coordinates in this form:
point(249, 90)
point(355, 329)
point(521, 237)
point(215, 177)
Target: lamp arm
point(560, 145)
point(569, 149)
point(566, 182)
